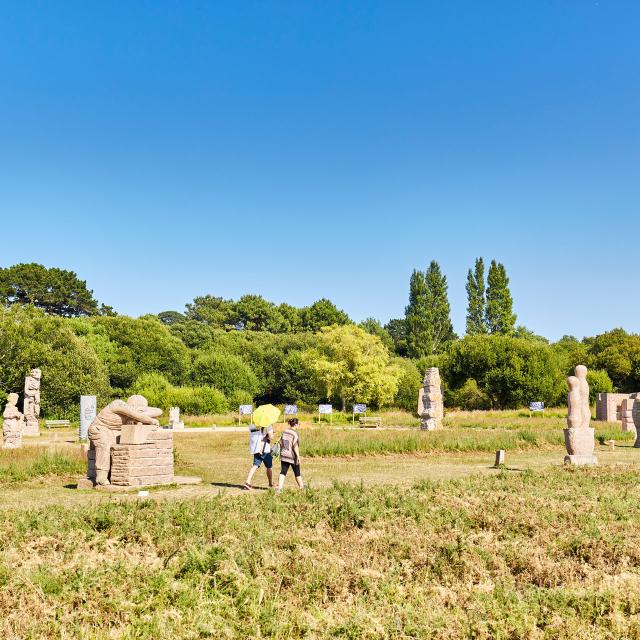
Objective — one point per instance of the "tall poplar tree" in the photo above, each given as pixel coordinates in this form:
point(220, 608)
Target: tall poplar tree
point(416, 315)
point(428, 321)
point(476, 323)
point(499, 311)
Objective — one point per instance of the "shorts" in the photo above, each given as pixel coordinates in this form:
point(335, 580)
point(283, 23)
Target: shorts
point(284, 467)
point(259, 458)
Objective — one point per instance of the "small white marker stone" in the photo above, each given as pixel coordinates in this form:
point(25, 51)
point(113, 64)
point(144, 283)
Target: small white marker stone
point(143, 494)
point(499, 457)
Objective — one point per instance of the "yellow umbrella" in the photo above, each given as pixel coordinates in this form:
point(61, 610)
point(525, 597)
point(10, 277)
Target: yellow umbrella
point(265, 415)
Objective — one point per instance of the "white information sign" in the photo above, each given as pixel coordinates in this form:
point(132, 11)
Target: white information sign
point(88, 410)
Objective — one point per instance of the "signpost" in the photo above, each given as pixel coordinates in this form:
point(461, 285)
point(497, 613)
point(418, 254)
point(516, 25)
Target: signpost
point(290, 410)
point(358, 408)
point(325, 409)
point(536, 406)
point(244, 410)
point(88, 410)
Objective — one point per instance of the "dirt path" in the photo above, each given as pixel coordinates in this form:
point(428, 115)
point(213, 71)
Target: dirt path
point(227, 475)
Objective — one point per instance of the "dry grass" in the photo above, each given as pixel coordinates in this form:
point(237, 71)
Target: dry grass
point(516, 555)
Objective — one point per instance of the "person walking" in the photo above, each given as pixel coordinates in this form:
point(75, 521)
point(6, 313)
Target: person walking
point(290, 454)
point(260, 446)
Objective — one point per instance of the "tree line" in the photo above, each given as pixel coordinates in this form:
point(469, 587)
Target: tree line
point(217, 353)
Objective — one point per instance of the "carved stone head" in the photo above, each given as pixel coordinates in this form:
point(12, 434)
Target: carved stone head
point(36, 373)
point(581, 372)
point(12, 399)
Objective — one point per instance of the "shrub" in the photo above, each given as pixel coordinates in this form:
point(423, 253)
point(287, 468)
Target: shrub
point(410, 381)
point(469, 397)
point(193, 400)
point(224, 371)
point(599, 382)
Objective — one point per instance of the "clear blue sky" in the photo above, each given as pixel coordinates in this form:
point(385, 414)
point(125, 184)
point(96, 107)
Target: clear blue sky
point(301, 150)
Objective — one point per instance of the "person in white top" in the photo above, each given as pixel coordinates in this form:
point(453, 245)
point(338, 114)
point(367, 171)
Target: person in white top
point(260, 446)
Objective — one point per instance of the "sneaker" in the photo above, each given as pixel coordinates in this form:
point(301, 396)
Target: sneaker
point(247, 486)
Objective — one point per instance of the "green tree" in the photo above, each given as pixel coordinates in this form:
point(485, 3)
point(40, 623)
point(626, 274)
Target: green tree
point(618, 353)
point(397, 329)
point(70, 367)
point(476, 323)
point(291, 318)
point(510, 372)
point(227, 372)
point(353, 366)
point(254, 313)
point(130, 347)
point(499, 310)
point(428, 321)
point(194, 334)
point(56, 291)
point(322, 313)
point(171, 317)
point(217, 312)
point(372, 326)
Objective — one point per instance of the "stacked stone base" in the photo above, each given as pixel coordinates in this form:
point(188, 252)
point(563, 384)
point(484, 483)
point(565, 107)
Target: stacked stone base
point(31, 428)
point(149, 463)
point(145, 464)
point(12, 439)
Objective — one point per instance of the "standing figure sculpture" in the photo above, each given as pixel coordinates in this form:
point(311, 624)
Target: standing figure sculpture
point(430, 405)
point(13, 424)
point(174, 419)
point(31, 406)
point(579, 436)
point(107, 425)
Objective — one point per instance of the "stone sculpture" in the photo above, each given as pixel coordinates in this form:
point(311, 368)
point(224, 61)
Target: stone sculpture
point(432, 410)
point(13, 424)
point(31, 406)
point(579, 435)
point(107, 425)
point(174, 419)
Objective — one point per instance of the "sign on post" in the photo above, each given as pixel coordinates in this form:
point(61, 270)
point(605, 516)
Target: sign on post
point(358, 408)
point(325, 409)
point(88, 410)
point(244, 410)
point(536, 406)
point(290, 409)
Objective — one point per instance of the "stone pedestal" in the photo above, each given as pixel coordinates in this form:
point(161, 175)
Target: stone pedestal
point(31, 428)
point(580, 460)
point(144, 459)
point(580, 444)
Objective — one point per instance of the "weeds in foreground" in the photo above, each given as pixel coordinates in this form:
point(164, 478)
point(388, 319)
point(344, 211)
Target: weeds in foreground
point(531, 555)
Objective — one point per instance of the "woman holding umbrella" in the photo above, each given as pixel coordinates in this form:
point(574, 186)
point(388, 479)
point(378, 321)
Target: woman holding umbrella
point(260, 438)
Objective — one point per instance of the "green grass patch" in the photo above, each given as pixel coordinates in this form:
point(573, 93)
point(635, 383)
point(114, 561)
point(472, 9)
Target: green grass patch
point(18, 465)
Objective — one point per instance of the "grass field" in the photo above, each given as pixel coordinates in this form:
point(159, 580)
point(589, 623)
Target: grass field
point(402, 534)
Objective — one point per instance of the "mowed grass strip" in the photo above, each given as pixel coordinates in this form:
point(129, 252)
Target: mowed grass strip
point(515, 555)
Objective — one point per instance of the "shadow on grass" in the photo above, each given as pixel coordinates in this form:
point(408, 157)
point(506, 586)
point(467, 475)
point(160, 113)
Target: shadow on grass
point(233, 485)
point(503, 468)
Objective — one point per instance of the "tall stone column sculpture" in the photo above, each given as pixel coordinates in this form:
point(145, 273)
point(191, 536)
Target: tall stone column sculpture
point(430, 398)
point(13, 424)
point(31, 406)
point(579, 435)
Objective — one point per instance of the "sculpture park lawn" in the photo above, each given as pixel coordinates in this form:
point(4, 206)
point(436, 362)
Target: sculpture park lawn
point(545, 553)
